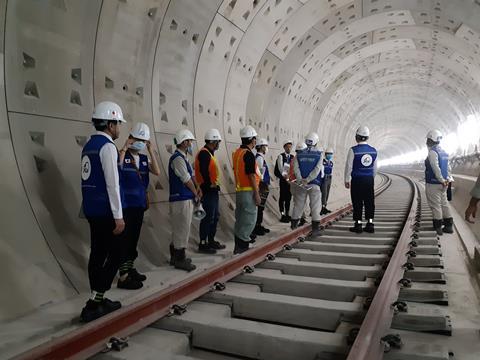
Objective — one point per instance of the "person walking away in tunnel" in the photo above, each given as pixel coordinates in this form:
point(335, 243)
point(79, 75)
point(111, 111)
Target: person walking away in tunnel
point(207, 176)
point(471, 210)
point(437, 178)
point(262, 149)
point(360, 172)
point(301, 146)
point(135, 169)
point(247, 179)
point(327, 180)
point(102, 206)
point(308, 168)
point(184, 193)
point(281, 171)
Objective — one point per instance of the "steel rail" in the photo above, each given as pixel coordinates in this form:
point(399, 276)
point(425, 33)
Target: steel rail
point(368, 344)
point(91, 338)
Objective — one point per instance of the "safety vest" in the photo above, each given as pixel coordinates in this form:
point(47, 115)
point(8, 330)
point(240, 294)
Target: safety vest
point(242, 180)
point(442, 163)
point(307, 161)
point(213, 169)
point(135, 181)
point(327, 167)
point(96, 202)
point(266, 172)
point(178, 190)
point(363, 161)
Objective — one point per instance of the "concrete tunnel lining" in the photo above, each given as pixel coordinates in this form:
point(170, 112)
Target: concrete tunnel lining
point(285, 66)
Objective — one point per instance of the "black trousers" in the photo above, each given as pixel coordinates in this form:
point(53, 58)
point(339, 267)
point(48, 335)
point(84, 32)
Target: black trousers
point(361, 191)
point(285, 197)
point(264, 191)
point(208, 225)
point(133, 225)
point(106, 253)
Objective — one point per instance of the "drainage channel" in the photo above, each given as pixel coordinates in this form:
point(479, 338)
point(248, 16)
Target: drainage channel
point(310, 300)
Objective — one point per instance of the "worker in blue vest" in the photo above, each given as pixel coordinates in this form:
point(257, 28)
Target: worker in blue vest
point(102, 206)
point(360, 171)
point(437, 178)
point(184, 193)
point(262, 149)
point(308, 168)
point(135, 169)
point(327, 180)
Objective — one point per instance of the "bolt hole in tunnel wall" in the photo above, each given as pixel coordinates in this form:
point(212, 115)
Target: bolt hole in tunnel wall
point(286, 67)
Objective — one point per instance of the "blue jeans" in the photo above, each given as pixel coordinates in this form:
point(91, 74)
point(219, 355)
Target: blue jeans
point(208, 225)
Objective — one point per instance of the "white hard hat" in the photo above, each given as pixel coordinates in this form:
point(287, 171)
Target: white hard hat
point(288, 141)
point(213, 135)
point(141, 131)
point(182, 135)
point(434, 135)
point(262, 141)
point(363, 131)
point(300, 146)
point(329, 151)
point(311, 139)
point(108, 110)
point(248, 132)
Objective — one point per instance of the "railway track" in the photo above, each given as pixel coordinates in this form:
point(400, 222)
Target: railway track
point(336, 296)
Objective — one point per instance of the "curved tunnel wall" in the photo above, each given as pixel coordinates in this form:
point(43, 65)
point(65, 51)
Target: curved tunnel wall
point(284, 66)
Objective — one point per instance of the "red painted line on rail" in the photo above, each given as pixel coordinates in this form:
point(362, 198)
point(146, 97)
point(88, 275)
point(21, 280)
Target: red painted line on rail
point(91, 338)
point(377, 322)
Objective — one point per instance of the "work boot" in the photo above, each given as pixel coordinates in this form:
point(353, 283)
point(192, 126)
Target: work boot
point(136, 275)
point(437, 226)
point(323, 211)
point(294, 224)
point(129, 283)
point(448, 225)
point(205, 248)
point(253, 238)
point(327, 211)
point(172, 255)
point(240, 246)
point(265, 230)
point(94, 310)
point(316, 231)
point(369, 228)
point(303, 221)
point(357, 227)
point(181, 262)
point(289, 218)
point(216, 245)
point(258, 230)
point(284, 219)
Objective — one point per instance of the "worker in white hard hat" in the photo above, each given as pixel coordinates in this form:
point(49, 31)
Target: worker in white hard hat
point(264, 186)
point(327, 179)
point(207, 176)
point(437, 178)
point(135, 168)
point(102, 206)
point(360, 172)
point(247, 179)
point(281, 171)
point(301, 146)
point(184, 193)
point(308, 168)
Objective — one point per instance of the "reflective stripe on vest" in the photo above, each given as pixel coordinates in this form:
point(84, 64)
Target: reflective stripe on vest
point(213, 169)
point(430, 177)
point(364, 160)
point(134, 187)
point(178, 190)
point(242, 180)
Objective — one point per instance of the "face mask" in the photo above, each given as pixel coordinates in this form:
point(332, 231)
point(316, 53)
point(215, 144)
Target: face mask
point(190, 150)
point(329, 157)
point(138, 145)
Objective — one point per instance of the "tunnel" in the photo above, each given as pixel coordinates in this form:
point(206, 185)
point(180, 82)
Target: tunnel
point(285, 67)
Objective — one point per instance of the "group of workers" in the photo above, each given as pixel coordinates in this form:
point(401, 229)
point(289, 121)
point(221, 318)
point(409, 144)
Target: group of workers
point(115, 195)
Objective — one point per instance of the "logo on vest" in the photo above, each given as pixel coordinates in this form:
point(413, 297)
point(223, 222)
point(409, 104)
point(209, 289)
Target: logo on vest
point(366, 160)
point(86, 168)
